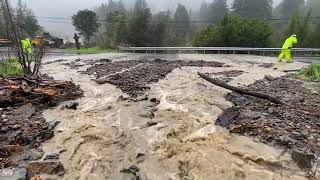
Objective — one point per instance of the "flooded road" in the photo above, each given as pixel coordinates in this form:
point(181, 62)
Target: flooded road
point(106, 135)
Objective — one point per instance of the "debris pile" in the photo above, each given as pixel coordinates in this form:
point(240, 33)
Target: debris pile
point(22, 127)
point(133, 77)
point(293, 125)
point(36, 90)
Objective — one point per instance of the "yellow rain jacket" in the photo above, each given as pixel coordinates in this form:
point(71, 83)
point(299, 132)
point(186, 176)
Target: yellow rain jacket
point(288, 44)
point(286, 48)
point(26, 45)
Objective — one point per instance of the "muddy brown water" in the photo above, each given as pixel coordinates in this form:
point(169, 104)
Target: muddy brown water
point(105, 135)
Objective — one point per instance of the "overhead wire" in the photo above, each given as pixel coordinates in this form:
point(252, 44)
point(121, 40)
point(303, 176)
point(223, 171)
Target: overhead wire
point(64, 20)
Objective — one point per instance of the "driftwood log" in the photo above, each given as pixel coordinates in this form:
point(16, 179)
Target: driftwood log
point(241, 90)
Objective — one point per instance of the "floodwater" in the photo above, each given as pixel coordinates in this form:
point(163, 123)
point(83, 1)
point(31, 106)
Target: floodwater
point(105, 135)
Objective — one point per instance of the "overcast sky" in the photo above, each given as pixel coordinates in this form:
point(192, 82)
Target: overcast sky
point(66, 8)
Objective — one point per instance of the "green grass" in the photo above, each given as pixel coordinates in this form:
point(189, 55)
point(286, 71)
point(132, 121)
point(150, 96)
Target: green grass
point(10, 67)
point(310, 73)
point(93, 50)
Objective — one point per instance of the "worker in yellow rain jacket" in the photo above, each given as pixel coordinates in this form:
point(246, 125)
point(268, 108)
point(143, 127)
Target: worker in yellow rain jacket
point(26, 45)
point(286, 48)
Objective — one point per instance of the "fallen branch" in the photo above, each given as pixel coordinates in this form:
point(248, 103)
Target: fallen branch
point(292, 70)
point(241, 90)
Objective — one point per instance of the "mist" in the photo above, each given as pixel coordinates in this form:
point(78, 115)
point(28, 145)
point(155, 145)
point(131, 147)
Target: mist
point(66, 8)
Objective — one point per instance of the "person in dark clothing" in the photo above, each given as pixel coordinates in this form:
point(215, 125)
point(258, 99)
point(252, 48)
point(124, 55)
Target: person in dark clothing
point(76, 40)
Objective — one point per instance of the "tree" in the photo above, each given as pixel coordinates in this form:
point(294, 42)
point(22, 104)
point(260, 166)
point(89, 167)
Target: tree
point(315, 37)
point(139, 31)
point(253, 8)
point(300, 27)
point(105, 9)
point(85, 21)
point(27, 24)
point(2, 23)
point(181, 26)
point(160, 29)
point(204, 11)
point(217, 9)
point(116, 30)
point(287, 7)
point(315, 7)
point(236, 31)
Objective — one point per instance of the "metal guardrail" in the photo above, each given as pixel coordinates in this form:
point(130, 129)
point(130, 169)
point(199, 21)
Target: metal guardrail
point(213, 49)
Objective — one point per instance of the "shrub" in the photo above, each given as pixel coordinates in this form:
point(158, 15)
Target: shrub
point(310, 73)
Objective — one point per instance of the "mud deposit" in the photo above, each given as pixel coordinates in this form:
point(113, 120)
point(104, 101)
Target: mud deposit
point(22, 126)
point(294, 126)
point(134, 77)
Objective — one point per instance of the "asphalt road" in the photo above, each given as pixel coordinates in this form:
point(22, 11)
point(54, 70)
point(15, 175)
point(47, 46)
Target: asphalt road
point(60, 53)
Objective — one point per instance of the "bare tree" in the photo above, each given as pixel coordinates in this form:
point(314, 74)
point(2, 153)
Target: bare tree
point(30, 62)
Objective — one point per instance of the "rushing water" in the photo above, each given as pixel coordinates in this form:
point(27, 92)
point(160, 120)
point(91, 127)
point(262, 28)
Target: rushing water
point(106, 135)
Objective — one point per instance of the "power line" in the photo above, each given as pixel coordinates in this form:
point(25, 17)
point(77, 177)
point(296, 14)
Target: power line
point(216, 20)
point(68, 20)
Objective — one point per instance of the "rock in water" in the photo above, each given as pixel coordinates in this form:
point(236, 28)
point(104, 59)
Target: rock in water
point(54, 156)
point(72, 105)
point(303, 160)
point(228, 117)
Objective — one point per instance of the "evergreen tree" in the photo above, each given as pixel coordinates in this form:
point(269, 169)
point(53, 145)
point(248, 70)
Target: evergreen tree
point(121, 7)
point(314, 5)
point(253, 8)
point(301, 28)
point(139, 26)
point(160, 29)
point(217, 10)
point(315, 37)
point(204, 11)
point(115, 30)
point(288, 7)
point(181, 26)
point(105, 10)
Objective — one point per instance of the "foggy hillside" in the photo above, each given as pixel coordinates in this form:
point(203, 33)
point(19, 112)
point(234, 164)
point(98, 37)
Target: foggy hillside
point(66, 8)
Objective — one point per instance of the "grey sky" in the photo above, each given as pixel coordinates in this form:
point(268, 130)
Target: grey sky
point(66, 8)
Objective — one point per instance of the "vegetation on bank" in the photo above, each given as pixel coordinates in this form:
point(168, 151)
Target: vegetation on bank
point(310, 73)
point(10, 67)
point(235, 31)
point(92, 50)
point(254, 23)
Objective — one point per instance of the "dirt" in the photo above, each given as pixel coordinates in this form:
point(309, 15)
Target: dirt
point(22, 126)
point(134, 77)
point(294, 126)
